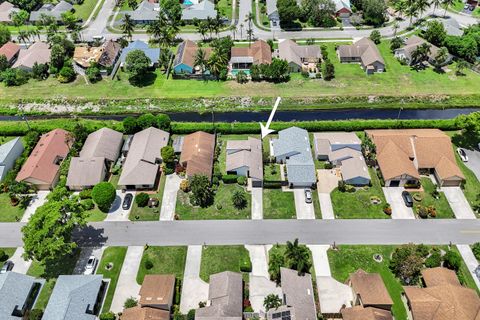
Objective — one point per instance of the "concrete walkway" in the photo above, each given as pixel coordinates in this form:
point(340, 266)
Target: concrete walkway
point(327, 182)
point(304, 210)
point(19, 264)
point(257, 203)
point(116, 212)
point(326, 205)
point(37, 201)
point(393, 196)
point(169, 200)
point(127, 285)
point(260, 285)
point(194, 289)
point(459, 203)
point(470, 261)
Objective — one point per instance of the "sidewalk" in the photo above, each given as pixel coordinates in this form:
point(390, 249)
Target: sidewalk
point(19, 264)
point(257, 203)
point(37, 201)
point(470, 261)
point(194, 289)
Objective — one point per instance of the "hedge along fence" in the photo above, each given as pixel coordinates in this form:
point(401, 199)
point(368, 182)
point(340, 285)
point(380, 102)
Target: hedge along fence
point(15, 128)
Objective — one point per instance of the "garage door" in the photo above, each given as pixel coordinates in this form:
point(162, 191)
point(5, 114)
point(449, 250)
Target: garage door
point(451, 183)
point(394, 183)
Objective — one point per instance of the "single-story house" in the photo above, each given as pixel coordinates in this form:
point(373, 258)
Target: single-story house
point(343, 8)
point(184, 62)
point(156, 299)
point(298, 297)
point(7, 10)
point(365, 52)
point(451, 26)
point(105, 143)
point(105, 56)
point(152, 53)
point(443, 297)
point(369, 290)
point(299, 58)
point(404, 154)
point(141, 167)
point(39, 52)
point(272, 13)
point(9, 153)
point(11, 51)
point(293, 148)
point(42, 168)
point(411, 44)
point(18, 293)
point(245, 158)
point(85, 173)
point(197, 154)
point(51, 10)
point(242, 58)
point(368, 313)
point(225, 297)
point(344, 150)
point(76, 297)
point(202, 11)
point(177, 144)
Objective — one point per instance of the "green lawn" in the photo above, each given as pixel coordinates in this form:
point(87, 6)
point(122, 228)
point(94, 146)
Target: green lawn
point(466, 274)
point(114, 255)
point(443, 208)
point(357, 205)
point(278, 204)
point(8, 252)
point(280, 248)
point(350, 258)
point(316, 204)
point(9, 213)
point(166, 260)
point(84, 10)
point(114, 180)
point(471, 187)
point(146, 213)
point(95, 215)
point(217, 259)
point(271, 172)
point(224, 8)
point(222, 208)
point(64, 266)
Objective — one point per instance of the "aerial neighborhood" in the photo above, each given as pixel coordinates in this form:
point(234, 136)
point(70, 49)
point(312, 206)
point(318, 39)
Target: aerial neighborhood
point(239, 160)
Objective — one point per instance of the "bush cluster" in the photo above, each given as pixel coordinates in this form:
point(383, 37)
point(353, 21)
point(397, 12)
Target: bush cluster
point(141, 199)
point(229, 178)
point(103, 195)
point(85, 194)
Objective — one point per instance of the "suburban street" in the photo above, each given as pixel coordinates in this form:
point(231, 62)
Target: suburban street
point(253, 232)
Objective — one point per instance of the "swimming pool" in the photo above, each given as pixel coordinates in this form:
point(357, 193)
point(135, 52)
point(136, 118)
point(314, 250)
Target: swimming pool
point(236, 71)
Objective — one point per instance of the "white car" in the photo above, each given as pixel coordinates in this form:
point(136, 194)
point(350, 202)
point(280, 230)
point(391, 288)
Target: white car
point(463, 155)
point(91, 265)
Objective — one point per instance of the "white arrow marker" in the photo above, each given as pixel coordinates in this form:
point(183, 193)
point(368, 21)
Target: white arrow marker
point(266, 129)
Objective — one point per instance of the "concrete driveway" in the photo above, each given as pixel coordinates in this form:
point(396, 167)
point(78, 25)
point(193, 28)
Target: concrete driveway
point(116, 212)
point(19, 264)
point(194, 289)
point(473, 162)
point(85, 253)
point(127, 285)
point(304, 210)
point(327, 182)
point(169, 200)
point(37, 201)
point(257, 203)
point(459, 204)
point(399, 209)
point(260, 285)
point(470, 261)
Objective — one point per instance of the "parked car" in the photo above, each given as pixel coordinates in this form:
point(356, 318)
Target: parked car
point(308, 196)
point(463, 155)
point(91, 265)
point(407, 198)
point(127, 201)
point(7, 266)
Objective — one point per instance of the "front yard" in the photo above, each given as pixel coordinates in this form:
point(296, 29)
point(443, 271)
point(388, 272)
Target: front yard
point(146, 213)
point(278, 204)
point(217, 259)
point(358, 204)
point(164, 260)
point(9, 213)
point(8, 253)
point(444, 211)
point(222, 208)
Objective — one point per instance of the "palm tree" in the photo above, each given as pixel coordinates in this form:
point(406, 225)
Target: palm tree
point(23, 36)
point(411, 10)
point(233, 30)
point(202, 28)
point(201, 59)
point(395, 27)
point(128, 26)
point(34, 33)
point(272, 301)
point(440, 58)
point(447, 3)
point(421, 53)
point(422, 6)
point(241, 31)
point(216, 64)
point(298, 257)
point(133, 4)
point(435, 3)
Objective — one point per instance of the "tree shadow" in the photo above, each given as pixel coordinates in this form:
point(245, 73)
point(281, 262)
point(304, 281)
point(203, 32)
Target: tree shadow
point(143, 81)
point(89, 236)
point(465, 140)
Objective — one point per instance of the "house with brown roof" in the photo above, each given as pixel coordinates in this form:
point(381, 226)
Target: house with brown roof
point(402, 155)
point(442, 298)
point(141, 167)
point(39, 52)
point(42, 168)
point(369, 313)
point(225, 298)
point(369, 290)
point(411, 44)
point(10, 50)
point(156, 299)
point(7, 10)
point(242, 58)
point(197, 154)
point(105, 56)
point(245, 158)
point(365, 52)
point(184, 62)
point(299, 58)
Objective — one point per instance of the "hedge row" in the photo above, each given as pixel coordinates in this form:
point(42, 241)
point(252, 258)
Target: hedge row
point(12, 128)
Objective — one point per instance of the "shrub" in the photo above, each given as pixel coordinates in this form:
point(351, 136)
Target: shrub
point(342, 186)
point(246, 265)
point(349, 188)
point(434, 260)
point(103, 194)
point(476, 250)
point(37, 314)
point(328, 165)
point(229, 178)
point(452, 260)
point(422, 212)
point(87, 204)
point(239, 200)
point(130, 303)
point(141, 199)
point(148, 264)
point(108, 316)
point(163, 121)
point(185, 185)
point(387, 209)
point(3, 256)
point(191, 314)
point(85, 194)
point(241, 180)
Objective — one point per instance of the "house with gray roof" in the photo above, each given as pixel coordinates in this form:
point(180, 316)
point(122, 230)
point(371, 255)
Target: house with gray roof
point(343, 150)
point(225, 298)
point(293, 148)
point(272, 13)
point(18, 293)
point(9, 153)
point(152, 53)
point(141, 167)
point(405, 53)
point(245, 158)
point(51, 10)
point(201, 11)
point(7, 10)
point(365, 52)
point(299, 58)
point(76, 297)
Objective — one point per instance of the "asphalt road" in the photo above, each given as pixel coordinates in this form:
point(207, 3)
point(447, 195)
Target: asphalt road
point(266, 232)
